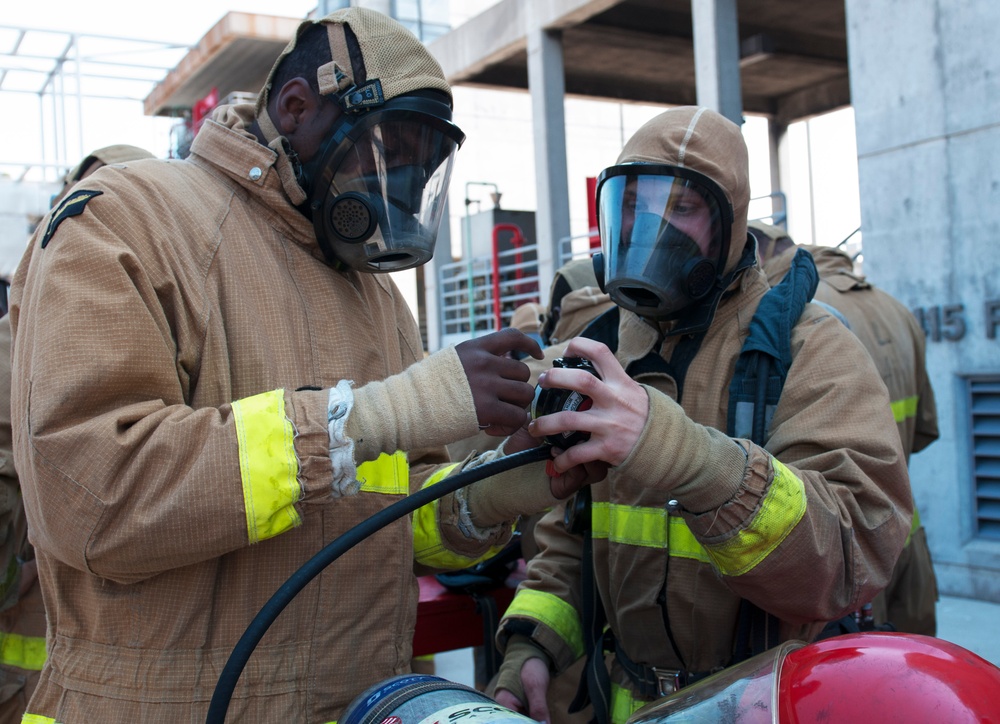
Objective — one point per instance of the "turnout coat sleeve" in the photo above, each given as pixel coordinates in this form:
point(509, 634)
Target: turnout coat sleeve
point(125, 468)
point(845, 506)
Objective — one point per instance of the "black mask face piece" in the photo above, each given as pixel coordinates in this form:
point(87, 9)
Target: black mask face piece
point(664, 235)
point(378, 186)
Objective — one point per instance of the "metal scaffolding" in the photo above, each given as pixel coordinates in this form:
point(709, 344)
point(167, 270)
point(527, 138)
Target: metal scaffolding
point(61, 69)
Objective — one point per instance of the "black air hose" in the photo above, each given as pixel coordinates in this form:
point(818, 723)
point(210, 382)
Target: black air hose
point(332, 551)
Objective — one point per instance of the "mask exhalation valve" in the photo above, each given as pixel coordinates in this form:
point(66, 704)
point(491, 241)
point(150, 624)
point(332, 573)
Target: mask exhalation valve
point(352, 217)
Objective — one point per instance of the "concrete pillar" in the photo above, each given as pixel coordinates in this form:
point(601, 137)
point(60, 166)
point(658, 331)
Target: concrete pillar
point(547, 87)
point(717, 57)
point(778, 155)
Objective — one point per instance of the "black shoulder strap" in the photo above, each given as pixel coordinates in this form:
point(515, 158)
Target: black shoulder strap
point(754, 392)
point(605, 329)
point(767, 353)
point(595, 683)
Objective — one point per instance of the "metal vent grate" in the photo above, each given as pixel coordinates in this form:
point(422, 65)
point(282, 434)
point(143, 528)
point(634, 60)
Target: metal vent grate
point(984, 405)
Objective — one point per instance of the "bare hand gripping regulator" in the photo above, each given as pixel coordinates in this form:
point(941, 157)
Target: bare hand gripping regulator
point(549, 401)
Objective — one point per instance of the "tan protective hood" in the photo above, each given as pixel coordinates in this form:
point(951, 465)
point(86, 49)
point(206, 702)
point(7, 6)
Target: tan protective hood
point(705, 141)
point(119, 153)
point(384, 51)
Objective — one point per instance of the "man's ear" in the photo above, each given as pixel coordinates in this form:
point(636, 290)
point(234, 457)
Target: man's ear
point(291, 103)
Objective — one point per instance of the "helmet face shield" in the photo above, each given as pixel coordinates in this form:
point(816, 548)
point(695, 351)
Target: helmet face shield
point(664, 234)
point(381, 185)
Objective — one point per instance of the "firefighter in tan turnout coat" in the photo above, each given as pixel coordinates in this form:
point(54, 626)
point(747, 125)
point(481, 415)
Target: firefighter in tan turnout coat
point(894, 339)
point(690, 520)
point(210, 385)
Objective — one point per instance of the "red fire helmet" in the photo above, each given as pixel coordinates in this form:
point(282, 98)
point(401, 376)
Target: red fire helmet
point(868, 677)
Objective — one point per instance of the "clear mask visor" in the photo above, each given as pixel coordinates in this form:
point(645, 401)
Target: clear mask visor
point(384, 205)
point(745, 694)
point(663, 241)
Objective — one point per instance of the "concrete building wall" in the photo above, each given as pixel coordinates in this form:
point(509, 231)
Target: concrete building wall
point(925, 85)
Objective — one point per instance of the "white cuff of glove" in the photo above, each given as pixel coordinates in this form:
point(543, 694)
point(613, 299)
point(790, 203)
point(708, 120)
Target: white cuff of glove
point(345, 473)
point(465, 524)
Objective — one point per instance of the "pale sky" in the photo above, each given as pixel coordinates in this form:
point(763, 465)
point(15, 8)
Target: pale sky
point(182, 22)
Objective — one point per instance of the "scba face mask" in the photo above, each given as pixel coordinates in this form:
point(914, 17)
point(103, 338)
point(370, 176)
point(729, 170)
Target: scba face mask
point(378, 186)
point(664, 236)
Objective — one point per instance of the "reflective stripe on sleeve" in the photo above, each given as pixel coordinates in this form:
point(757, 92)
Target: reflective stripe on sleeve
point(648, 528)
point(388, 475)
point(24, 652)
point(552, 611)
point(37, 719)
point(268, 466)
point(905, 409)
point(781, 508)
point(428, 546)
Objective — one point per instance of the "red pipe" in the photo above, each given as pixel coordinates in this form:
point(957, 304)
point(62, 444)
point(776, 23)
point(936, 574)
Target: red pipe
point(595, 237)
point(517, 241)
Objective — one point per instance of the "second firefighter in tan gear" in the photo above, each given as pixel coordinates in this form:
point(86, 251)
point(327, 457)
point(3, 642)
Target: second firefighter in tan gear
point(690, 521)
point(896, 343)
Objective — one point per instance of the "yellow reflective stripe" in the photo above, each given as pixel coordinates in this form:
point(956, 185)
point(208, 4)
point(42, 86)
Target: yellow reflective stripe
point(24, 652)
point(683, 544)
point(780, 511)
point(631, 525)
point(552, 611)
point(428, 546)
point(914, 525)
point(268, 466)
point(37, 719)
point(905, 408)
point(427, 543)
point(623, 704)
point(388, 475)
point(646, 527)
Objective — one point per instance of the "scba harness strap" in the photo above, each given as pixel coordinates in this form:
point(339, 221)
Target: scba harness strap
point(755, 389)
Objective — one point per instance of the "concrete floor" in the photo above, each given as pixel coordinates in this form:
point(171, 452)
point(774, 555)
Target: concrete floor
point(972, 624)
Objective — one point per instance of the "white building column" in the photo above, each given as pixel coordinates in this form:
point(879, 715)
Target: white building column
point(547, 86)
point(717, 57)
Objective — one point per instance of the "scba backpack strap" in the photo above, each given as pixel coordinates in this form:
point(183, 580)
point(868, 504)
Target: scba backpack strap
point(754, 392)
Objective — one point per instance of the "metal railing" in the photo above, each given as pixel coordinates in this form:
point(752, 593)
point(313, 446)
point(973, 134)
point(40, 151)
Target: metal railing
point(486, 305)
